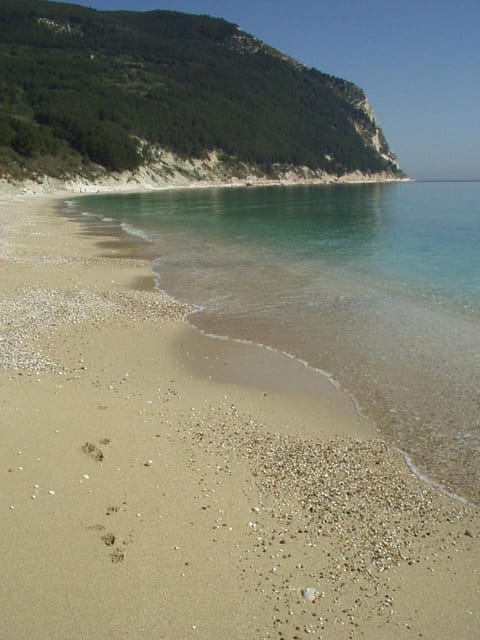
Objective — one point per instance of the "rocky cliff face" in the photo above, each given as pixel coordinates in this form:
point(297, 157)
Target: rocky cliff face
point(371, 131)
point(368, 126)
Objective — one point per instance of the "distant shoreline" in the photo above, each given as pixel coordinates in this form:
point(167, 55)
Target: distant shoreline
point(26, 190)
point(169, 171)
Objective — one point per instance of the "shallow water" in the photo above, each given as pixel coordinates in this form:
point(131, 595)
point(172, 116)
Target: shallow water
point(377, 284)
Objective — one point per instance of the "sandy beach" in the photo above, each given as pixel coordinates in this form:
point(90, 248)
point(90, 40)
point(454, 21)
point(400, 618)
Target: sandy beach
point(158, 483)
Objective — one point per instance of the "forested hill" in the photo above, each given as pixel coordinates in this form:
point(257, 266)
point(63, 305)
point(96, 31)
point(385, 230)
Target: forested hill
point(80, 86)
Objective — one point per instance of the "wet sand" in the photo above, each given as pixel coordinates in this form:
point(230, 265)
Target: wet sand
point(159, 483)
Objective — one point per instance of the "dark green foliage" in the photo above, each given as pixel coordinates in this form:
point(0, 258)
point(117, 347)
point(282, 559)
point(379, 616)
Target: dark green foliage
point(98, 81)
point(7, 132)
point(26, 140)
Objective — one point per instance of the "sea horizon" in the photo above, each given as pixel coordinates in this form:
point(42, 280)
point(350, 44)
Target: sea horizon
point(446, 179)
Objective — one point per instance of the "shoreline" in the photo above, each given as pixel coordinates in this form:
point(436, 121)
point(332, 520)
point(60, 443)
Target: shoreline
point(290, 361)
point(422, 475)
point(209, 497)
point(182, 175)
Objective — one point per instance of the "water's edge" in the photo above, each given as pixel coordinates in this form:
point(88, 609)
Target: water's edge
point(189, 318)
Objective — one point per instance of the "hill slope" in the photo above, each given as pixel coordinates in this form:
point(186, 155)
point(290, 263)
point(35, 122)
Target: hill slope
point(80, 86)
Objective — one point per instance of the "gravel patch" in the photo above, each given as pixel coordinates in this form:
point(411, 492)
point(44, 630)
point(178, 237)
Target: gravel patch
point(35, 314)
point(336, 518)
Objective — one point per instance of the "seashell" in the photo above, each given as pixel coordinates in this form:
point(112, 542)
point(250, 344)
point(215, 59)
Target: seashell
point(309, 594)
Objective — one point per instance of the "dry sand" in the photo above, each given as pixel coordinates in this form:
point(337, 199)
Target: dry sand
point(157, 483)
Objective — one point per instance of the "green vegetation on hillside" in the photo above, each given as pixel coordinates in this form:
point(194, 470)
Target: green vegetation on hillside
point(76, 82)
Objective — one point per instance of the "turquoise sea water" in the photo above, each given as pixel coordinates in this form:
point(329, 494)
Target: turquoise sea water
point(378, 285)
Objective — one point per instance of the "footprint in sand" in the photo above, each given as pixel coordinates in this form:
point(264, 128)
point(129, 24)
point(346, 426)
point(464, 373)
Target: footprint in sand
point(117, 555)
point(112, 509)
point(93, 451)
point(108, 539)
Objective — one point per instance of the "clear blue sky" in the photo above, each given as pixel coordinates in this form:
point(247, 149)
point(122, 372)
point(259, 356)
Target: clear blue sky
point(417, 60)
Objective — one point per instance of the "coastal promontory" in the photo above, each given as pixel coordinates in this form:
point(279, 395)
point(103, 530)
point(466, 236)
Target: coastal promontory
point(158, 95)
